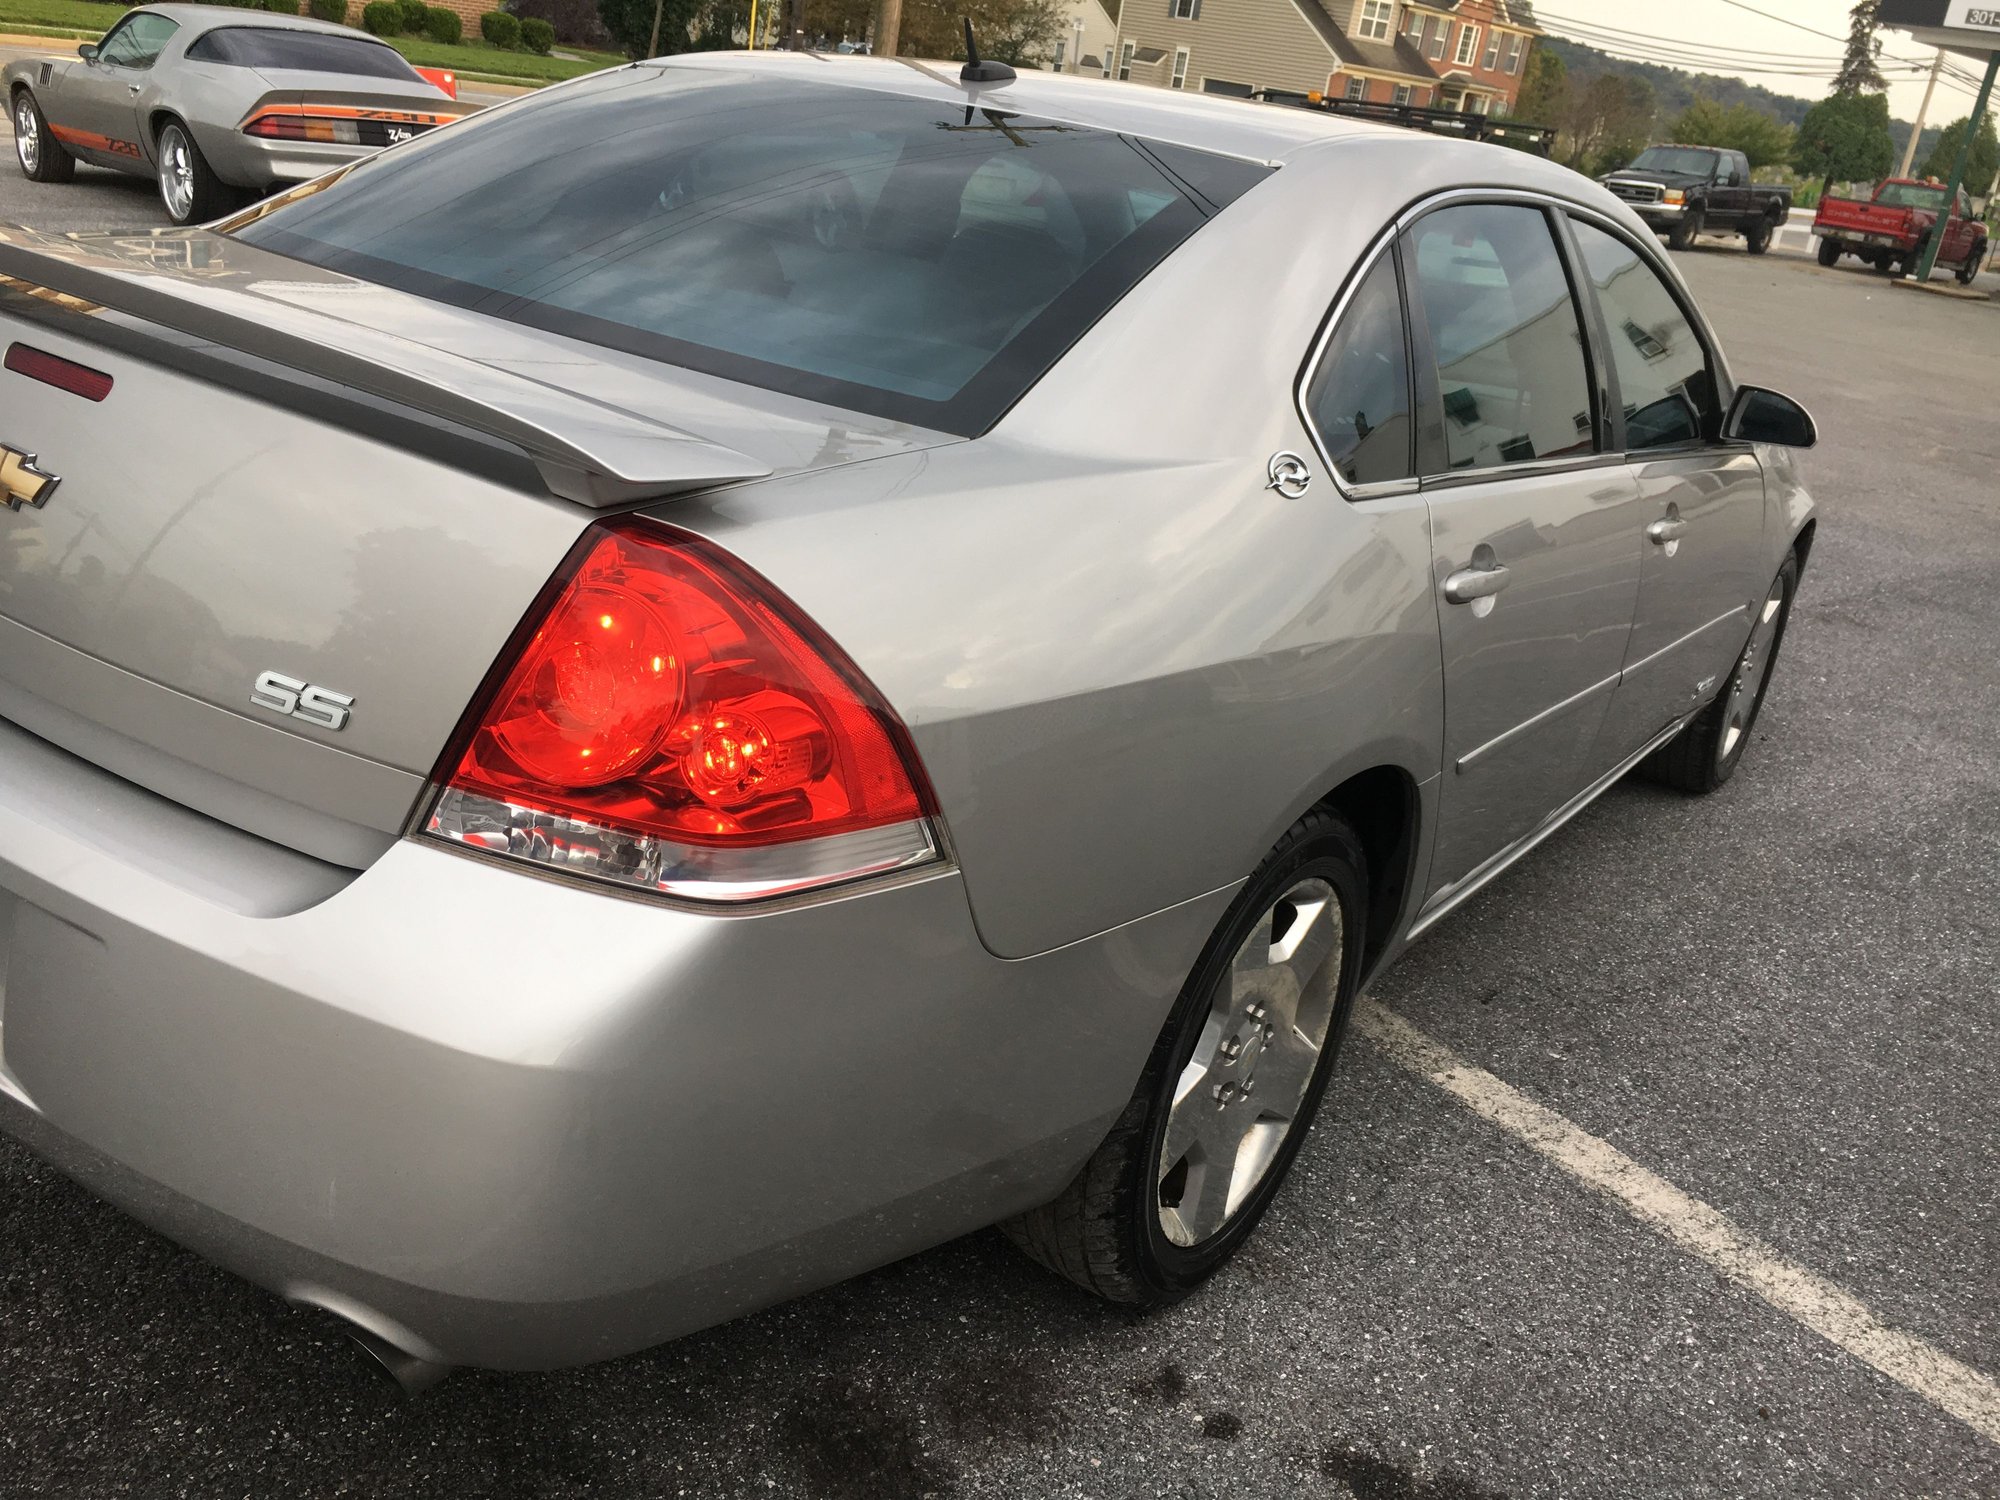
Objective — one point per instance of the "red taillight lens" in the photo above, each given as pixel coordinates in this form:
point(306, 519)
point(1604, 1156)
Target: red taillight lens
point(674, 723)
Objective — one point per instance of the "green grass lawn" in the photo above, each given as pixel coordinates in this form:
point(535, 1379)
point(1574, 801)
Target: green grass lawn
point(471, 56)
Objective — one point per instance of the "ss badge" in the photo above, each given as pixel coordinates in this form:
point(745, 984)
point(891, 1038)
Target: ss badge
point(301, 700)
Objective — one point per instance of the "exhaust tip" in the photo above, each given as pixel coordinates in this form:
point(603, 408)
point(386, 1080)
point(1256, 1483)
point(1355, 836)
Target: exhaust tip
point(412, 1373)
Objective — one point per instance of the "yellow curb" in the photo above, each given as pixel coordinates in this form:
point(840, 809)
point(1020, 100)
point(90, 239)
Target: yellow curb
point(1962, 293)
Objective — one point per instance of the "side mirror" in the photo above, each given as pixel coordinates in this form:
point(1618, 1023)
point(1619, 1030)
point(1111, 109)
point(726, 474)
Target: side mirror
point(88, 52)
point(1761, 416)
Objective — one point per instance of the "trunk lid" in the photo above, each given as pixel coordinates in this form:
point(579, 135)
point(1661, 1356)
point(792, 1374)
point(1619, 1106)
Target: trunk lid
point(298, 473)
point(361, 111)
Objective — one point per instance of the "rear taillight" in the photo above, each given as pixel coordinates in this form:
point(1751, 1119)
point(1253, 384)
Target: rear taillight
point(674, 724)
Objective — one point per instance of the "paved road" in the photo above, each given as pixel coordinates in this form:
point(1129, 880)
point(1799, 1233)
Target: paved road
point(1782, 1000)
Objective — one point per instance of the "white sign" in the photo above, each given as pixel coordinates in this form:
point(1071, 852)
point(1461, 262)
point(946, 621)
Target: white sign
point(1974, 15)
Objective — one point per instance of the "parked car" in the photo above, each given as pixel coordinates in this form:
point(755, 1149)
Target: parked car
point(1893, 227)
point(735, 669)
point(1683, 191)
point(216, 103)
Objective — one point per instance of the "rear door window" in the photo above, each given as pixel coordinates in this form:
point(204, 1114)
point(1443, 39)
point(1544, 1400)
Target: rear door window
point(1359, 398)
point(1506, 335)
point(913, 258)
point(1664, 380)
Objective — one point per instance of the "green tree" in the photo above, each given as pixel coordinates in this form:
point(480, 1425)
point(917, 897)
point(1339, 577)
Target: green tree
point(1985, 155)
point(1845, 138)
point(630, 23)
point(1859, 72)
point(1544, 96)
point(1009, 31)
point(1738, 128)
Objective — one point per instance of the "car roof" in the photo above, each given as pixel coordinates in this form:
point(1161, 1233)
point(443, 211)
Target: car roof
point(1208, 122)
point(195, 19)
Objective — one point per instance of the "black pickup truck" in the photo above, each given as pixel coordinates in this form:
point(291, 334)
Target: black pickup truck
point(1683, 191)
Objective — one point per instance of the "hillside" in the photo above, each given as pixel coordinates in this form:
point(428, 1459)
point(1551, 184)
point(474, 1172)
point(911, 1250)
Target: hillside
point(1675, 89)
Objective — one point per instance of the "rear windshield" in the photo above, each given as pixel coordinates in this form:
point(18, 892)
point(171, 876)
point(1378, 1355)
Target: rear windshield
point(914, 259)
point(1910, 195)
point(1676, 159)
point(306, 51)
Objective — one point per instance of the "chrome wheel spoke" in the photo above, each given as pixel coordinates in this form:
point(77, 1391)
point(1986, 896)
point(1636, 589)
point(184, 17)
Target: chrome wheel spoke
point(1746, 687)
point(1238, 1094)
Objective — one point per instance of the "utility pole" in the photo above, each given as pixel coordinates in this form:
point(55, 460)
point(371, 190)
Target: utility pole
point(1923, 113)
point(1972, 124)
point(888, 27)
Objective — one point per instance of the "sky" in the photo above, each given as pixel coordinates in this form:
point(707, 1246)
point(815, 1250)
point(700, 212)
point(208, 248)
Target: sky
point(1691, 28)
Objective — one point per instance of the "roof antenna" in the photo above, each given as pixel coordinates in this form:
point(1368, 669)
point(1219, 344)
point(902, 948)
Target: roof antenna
point(977, 71)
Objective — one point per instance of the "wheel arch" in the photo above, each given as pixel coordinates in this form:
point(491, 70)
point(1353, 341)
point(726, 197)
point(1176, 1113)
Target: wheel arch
point(1802, 544)
point(1385, 809)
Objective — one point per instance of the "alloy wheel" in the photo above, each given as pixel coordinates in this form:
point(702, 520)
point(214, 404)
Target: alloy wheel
point(176, 174)
point(1747, 688)
point(27, 135)
point(1239, 1095)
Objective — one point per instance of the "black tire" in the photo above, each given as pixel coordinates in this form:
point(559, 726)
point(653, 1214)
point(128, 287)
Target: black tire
point(200, 195)
point(1701, 757)
point(1829, 252)
point(1685, 231)
point(1758, 237)
point(1970, 267)
point(1104, 1232)
point(52, 161)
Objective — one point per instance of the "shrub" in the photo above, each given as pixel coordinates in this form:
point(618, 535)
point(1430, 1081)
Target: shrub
point(282, 7)
point(381, 17)
point(328, 10)
point(578, 23)
point(500, 29)
point(415, 13)
point(538, 35)
point(443, 26)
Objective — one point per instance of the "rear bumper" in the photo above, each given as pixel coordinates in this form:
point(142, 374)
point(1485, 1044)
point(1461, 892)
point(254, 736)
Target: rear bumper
point(250, 162)
point(506, 1121)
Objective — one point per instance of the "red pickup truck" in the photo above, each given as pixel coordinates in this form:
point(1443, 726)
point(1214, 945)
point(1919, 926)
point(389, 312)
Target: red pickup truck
point(1890, 230)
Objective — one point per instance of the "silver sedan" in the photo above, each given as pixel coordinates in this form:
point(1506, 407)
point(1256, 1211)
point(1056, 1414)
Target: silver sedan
point(729, 671)
point(214, 103)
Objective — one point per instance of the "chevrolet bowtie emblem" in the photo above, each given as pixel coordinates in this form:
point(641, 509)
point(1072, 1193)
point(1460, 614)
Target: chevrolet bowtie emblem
point(21, 483)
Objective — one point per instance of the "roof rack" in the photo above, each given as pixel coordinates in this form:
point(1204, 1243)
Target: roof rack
point(1539, 140)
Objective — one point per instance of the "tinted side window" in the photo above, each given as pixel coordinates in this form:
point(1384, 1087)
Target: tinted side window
point(1507, 336)
point(1359, 399)
point(1664, 382)
point(139, 41)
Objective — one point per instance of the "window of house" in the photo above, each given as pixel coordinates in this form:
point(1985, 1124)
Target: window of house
point(1506, 333)
point(1477, 104)
point(1664, 381)
point(1468, 46)
point(1492, 58)
point(1125, 59)
point(1357, 88)
point(1359, 399)
point(1436, 33)
point(1060, 48)
point(1182, 10)
point(1415, 30)
point(1376, 16)
point(1514, 46)
point(1179, 79)
point(1402, 93)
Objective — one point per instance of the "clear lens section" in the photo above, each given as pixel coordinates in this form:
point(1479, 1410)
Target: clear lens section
point(688, 871)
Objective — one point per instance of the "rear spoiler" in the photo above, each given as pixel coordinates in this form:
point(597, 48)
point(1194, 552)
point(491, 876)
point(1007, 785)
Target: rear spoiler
point(585, 451)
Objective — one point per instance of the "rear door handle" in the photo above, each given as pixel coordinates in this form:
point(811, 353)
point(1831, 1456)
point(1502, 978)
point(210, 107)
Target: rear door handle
point(1672, 529)
point(1469, 584)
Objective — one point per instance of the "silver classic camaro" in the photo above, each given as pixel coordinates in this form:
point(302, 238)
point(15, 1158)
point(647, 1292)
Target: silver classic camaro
point(212, 103)
point(750, 663)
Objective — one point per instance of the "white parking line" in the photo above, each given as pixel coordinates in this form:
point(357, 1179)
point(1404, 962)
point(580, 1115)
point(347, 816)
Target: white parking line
point(1966, 1393)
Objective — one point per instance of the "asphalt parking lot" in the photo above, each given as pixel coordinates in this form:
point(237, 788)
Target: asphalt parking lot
point(1781, 1000)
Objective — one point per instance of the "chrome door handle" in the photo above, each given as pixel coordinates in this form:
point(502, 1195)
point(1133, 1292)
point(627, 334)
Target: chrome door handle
point(1670, 530)
point(1468, 584)
point(131, 88)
